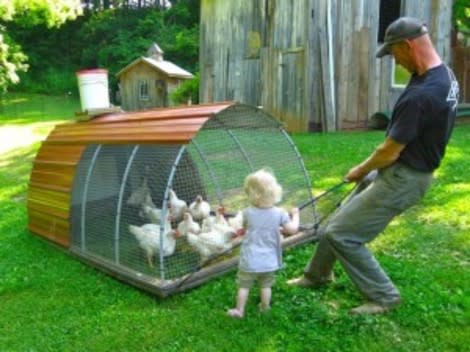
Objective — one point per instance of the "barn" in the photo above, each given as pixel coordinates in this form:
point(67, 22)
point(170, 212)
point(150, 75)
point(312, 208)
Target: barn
point(148, 81)
point(95, 183)
point(311, 64)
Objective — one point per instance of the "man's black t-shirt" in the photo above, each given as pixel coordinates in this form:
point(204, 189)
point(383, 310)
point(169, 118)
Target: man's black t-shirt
point(424, 116)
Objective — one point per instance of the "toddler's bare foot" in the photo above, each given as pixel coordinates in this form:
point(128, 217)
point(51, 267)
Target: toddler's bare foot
point(235, 313)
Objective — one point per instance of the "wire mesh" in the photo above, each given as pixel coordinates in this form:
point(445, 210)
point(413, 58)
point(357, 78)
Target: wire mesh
point(122, 211)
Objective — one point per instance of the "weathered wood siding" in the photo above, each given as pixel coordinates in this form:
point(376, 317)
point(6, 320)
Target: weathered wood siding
point(461, 65)
point(159, 94)
point(309, 63)
point(256, 52)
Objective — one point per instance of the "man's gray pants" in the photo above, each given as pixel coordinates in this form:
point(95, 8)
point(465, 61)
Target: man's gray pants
point(358, 222)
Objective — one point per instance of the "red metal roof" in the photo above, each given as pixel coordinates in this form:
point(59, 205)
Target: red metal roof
point(164, 125)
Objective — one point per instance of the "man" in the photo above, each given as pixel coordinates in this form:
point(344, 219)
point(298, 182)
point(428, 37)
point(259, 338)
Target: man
point(417, 135)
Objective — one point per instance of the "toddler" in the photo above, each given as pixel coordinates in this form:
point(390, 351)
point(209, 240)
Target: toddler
point(261, 251)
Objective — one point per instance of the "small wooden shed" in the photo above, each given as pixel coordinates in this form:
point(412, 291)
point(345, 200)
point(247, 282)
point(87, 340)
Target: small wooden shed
point(148, 81)
point(309, 63)
point(94, 182)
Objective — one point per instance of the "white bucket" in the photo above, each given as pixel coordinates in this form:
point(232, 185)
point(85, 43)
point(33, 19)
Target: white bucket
point(93, 88)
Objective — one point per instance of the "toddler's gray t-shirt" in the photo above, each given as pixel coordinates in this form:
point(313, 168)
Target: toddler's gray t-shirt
point(261, 249)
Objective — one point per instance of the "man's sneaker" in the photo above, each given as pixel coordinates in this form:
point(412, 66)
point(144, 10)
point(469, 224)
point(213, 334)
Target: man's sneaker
point(305, 282)
point(373, 308)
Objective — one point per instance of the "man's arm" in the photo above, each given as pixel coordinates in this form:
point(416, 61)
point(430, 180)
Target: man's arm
point(385, 154)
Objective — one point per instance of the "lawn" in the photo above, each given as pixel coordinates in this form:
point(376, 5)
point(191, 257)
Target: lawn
point(49, 301)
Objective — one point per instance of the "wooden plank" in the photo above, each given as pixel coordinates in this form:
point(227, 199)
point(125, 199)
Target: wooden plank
point(58, 212)
point(45, 221)
point(353, 86)
point(51, 187)
point(58, 179)
point(55, 197)
point(344, 62)
point(142, 137)
point(136, 128)
point(363, 82)
point(327, 79)
point(50, 234)
point(54, 167)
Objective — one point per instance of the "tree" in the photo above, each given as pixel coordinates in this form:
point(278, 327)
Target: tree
point(461, 17)
point(28, 13)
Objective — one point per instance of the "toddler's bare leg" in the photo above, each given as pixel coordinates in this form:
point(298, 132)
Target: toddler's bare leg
point(242, 297)
point(265, 294)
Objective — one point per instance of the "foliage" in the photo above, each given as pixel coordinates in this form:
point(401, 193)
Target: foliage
point(110, 39)
point(52, 302)
point(28, 14)
point(188, 90)
point(461, 16)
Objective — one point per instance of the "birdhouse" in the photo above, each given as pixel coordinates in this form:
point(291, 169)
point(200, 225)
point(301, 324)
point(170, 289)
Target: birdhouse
point(114, 190)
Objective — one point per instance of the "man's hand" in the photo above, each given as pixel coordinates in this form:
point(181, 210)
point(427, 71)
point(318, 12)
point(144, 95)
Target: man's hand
point(385, 154)
point(356, 174)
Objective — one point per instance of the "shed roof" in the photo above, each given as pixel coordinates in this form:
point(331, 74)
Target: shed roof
point(167, 67)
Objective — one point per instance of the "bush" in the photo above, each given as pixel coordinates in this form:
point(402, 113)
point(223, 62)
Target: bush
point(187, 90)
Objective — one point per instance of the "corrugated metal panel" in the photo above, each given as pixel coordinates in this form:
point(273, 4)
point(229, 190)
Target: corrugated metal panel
point(54, 168)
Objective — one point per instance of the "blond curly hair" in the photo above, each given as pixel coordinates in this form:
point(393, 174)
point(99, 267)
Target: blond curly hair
point(262, 188)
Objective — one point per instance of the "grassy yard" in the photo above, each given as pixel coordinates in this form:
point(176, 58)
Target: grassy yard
point(51, 302)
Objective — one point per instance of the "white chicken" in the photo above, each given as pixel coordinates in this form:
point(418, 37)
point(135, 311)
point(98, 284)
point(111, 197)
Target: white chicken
point(208, 224)
point(139, 195)
point(188, 225)
point(209, 243)
point(221, 225)
point(236, 222)
point(177, 206)
point(152, 214)
point(148, 236)
point(199, 209)
point(149, 201)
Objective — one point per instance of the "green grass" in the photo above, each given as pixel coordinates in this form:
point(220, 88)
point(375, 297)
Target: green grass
point(19, 109)
point(51, 302)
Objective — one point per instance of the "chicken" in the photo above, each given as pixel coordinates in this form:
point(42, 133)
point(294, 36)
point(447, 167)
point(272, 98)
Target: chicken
point(139, 195)
point(209, 243)
point(177, 206)
point(221, 225)
point(152, 214)
point(148, 201)
point(208, 224)
point(188, 225)
point(199, 209)
point(148, 236)
point(236, 222)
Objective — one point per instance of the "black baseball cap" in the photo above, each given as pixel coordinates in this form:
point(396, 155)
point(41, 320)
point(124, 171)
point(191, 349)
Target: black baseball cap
point(401, 29)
